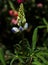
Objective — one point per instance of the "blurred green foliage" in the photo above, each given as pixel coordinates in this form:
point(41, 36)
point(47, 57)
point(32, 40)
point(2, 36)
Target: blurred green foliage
point(25, 52)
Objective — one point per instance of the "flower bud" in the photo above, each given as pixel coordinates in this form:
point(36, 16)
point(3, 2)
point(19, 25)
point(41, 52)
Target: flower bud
point(15, 13)
point(21, 28)
point(15, 30)
point(14, 21)
point(40, 5)
point(11, 12)
point(26, 26)
point(20, 1)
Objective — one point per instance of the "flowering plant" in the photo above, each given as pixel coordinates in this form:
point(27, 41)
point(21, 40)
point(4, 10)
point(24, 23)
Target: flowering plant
point(18, 18)
point(30, 45)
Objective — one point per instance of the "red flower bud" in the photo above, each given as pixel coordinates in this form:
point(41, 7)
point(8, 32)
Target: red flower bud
point(20, 1)
point(40, 5)
point(14, 21)
point(13, 13)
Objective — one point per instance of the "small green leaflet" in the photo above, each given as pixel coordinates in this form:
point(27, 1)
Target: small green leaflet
point(2, 59)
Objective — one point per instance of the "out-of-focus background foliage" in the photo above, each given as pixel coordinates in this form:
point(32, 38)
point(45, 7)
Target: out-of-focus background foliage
point(23, 32)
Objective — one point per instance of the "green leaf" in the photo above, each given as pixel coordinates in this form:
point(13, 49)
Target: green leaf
point(37, 63)
point(11, 5)
point(27, 42)
point(40, 27)
point(20, 59)
point(34, 39)
point(14, 58)
point(42, 59)
point(43, 53)
point(2, 59)
point(45, 22)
